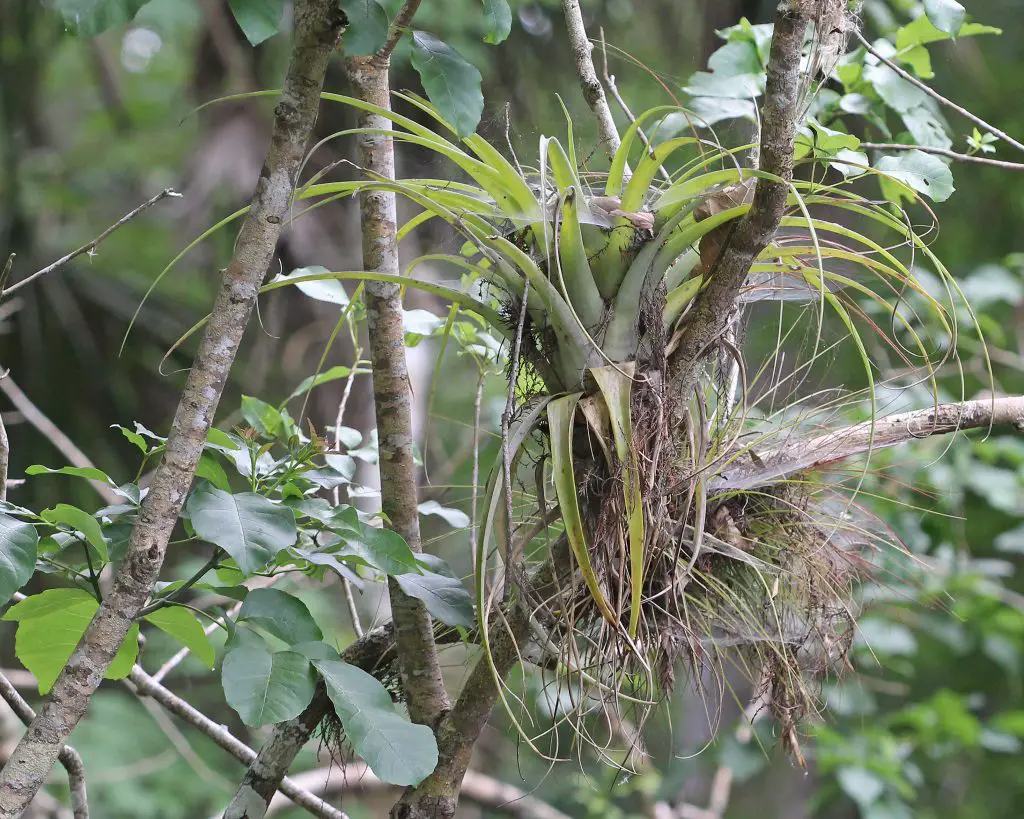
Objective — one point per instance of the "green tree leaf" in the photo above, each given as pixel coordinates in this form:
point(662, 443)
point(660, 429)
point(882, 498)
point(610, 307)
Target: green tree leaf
point(18, 544)
point(80, 520)
point(498, 20)
point(281, 614)
point(445, 597)
point(328, 290)
point(379, 549)
point(947, 15)
point(184, 626)
point(397, 750)
point(451, 83)
point(88, 18)
point(262, 417)
point(51, 623)
point(90, 473)
point(455, 518)
point(258, 19)
point(919, 171)
point(264, 686)
point(210, 469)
point(247, 526)
point(333, 374)
point(367, 29)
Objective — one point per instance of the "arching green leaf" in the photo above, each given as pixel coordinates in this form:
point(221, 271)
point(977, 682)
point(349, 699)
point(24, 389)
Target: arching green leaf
point(18, 544)
point(367, 27)
point(265, 687)
point(258, 19)
point(281, 614)
point(498, 19)
point(66, 515)
point(451, 83)
point(184, 626)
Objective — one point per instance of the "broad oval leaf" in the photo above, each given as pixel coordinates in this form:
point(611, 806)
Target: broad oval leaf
point(451, 83)
point(264, 686)
point(247, 526)
point(919, 171)
point(184, 626)
point(367, 27)
point(445, 597)
point(379, 549)
point(946, 15)
point(280, 614)
point(66, 515)
point(398, 751)
point(18, 544)
point(262, 417)
point(455, 518)
point(258, 19)
point(51, 623)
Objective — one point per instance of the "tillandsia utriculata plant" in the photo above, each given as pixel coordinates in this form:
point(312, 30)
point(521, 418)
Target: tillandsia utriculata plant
point(649, 442)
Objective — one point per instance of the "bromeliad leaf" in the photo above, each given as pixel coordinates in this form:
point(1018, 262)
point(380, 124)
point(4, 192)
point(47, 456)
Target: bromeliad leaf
point(18, 544)
point(281, 614)
point(258, 19)
point(247, 526)
point(264, 686)
point(88, 18)
point(50, 625)
point(184, 626)
point(367, 27)
point(498, 19)
point(397, 750)
point(452, 83)
point(64, 514)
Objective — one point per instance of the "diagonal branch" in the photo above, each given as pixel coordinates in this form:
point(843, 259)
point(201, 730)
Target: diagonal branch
point(318, 26)
point(713, 306)
point(807, 453)
point(593, 91)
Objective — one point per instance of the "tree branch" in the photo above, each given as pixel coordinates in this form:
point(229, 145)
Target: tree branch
point(807, 453)
point(713, 306)
point(392, 396)
point(31, 413)
point(317, 29)
point(593, 91)
point(90, 246)
point(68, 756)
point(146, 686)
point(972, 158)
point(478, 788)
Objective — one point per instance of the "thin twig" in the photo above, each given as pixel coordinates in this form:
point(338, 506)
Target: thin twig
point(146, 686)
point(935, 95)
point(593, 91)
point(609, 80)
point(506, 420)
point(5, 456)
point(979, 160)
point(68, 756)
point(49, 430)
point(350, 600)
point(478, 788)
point(398, 27)
point(91, 246)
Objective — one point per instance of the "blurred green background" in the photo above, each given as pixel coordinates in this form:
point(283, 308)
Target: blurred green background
point(931, 724)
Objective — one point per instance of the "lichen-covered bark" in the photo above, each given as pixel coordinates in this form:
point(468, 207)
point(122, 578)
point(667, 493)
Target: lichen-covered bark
point(417, 654)
point(713, 306)
point(593, 91)
point(317, 28)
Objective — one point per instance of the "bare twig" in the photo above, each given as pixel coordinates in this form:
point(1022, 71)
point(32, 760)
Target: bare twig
point(49, 430)
point(91, 246)
point(398, 27)
point(979, 160)
point(346, 586)
point(318, 25)
point(68, 756)
point(808, 453)
point(478, 788)
point(145, 686)
point(935, 95)
point(5, 457)
point(593, 92)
